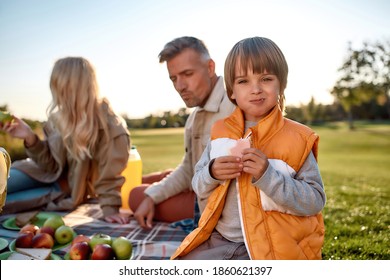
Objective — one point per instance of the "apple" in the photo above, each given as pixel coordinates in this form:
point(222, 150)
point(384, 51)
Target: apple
point(64, 234)
point(47, 229)
point(79, 251)
point(5, 116)
point(122, 248)
point(99, 238)
point(102, 251)
point(81, 238)
point(24, 240)
point(42, 240)
point(29, 228)
point(54, 222)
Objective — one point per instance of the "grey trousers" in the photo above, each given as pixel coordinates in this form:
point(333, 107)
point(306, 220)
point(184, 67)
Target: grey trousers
point(218, 248)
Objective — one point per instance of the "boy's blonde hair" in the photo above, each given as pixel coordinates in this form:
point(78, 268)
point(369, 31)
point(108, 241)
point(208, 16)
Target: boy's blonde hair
point(261, 54)
point(76, 98)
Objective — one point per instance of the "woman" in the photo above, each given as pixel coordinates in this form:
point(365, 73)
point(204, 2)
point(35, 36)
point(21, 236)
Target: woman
point(84, 151)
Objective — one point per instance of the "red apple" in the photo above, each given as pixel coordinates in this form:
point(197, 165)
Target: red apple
point(102, 252)
point(24, 240)
point(29, 228)
point(46, 229)
point(81, 238)
point(79, 251)
point(42, 240)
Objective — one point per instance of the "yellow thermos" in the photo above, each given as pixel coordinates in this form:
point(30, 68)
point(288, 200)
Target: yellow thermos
point(133, 176)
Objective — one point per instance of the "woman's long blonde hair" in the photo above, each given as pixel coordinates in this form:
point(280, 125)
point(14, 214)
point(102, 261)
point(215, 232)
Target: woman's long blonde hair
point(78, 116)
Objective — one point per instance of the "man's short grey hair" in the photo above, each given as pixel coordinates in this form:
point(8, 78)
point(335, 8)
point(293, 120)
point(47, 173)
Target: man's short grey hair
point(177, 45)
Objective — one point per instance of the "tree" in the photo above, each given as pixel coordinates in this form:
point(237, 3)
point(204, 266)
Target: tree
point(383, 73)
point(365, 75)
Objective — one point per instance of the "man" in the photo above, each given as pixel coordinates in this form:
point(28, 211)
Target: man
point(192, 73)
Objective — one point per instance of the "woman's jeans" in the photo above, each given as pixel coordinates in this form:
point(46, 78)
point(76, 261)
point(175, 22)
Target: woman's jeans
point(21, 187)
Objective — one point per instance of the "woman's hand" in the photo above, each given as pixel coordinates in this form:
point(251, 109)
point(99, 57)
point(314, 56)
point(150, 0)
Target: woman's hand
point(145, 213)
point(254, 162)
point(226, 167)
point(19, 129)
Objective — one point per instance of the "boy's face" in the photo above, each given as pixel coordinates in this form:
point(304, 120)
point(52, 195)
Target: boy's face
point(256, 94)
point(192, 77)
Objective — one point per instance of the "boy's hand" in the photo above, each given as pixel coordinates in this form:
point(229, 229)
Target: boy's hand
point(254, 162)
point(226, 167)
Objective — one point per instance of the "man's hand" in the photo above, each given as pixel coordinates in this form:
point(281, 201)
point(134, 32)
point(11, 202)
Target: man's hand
point(118, 218)
point(145, 213)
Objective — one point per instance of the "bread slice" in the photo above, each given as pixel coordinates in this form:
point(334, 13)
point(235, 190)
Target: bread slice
point(25, 218)
point(241, 145)
point(19, 256)
point(36, 253)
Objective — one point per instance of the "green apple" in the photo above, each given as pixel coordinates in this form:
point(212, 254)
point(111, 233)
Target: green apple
point(99, 238)
point(64, 234)
point(122, 248)
point(5, 116)
point(54, 222)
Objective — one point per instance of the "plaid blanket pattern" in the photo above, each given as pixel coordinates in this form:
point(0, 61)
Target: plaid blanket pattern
point(158, 243)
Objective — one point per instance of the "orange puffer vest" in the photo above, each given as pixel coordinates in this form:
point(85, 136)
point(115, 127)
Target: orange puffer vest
point(267, 234)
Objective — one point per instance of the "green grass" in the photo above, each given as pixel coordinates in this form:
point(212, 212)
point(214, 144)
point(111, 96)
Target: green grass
point(159, 148)
point(355, 167)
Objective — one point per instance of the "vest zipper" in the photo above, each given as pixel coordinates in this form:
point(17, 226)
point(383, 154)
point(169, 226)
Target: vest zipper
point(247, 136)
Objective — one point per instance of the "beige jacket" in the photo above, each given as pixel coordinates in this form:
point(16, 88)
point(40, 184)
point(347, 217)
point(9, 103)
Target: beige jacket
point(196, 136)
point(98, 177)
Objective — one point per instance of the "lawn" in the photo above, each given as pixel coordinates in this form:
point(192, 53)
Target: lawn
point(159, 148)
point(355, 168)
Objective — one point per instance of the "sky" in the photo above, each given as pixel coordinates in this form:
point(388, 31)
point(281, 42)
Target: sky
point(122, 39)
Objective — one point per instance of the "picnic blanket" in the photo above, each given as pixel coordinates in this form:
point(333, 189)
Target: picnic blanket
point(158, 243)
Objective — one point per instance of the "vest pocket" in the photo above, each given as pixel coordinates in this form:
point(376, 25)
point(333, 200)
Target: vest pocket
point(308, 250)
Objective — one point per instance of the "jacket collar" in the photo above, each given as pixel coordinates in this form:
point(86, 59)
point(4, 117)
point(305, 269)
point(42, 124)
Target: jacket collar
point(215, 99)
point(263, 130)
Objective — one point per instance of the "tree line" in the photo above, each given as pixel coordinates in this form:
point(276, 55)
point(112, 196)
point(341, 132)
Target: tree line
point(362, 92)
